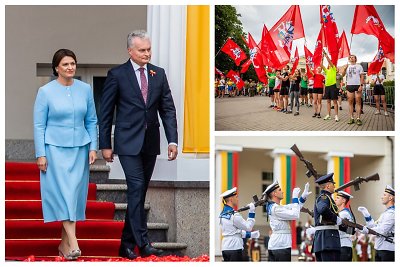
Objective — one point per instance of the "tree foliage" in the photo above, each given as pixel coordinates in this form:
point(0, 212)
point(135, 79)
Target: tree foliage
point(227, 24)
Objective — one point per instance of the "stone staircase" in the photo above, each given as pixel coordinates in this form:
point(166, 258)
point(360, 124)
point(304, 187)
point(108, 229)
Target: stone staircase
point(113, 190)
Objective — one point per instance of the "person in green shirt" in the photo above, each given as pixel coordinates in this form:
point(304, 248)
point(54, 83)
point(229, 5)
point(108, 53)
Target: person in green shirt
point(303, 87)
point(331, 92)
point(271, 85)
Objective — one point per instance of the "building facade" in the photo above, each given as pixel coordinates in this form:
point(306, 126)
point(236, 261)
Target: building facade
point(262, 160)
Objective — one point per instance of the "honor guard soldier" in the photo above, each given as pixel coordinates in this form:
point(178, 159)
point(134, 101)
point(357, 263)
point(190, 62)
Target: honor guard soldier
point(345, 233)
point(232, 225)
point(326, 244)
point(384, 225)
point(280, 242)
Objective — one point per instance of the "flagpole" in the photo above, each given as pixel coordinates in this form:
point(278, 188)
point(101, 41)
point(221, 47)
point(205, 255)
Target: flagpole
point(221, 48)
point(351, 41)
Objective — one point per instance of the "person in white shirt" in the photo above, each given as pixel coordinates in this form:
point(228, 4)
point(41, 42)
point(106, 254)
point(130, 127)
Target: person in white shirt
point(354, 80)
point(345, 233)
point(384, 225)
point(379, 92)
point(234, 227)
point(280, 242)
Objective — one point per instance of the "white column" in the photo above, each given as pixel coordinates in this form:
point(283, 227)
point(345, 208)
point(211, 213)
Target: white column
point(166, 26)
point(329, 158)
point(218, 188)
point(276, 155)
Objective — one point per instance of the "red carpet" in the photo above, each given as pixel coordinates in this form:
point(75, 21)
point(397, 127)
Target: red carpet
point(203, 258)
point(25, 232)
point(20, 171)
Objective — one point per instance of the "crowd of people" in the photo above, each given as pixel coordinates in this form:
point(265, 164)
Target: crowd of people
point(288, 88)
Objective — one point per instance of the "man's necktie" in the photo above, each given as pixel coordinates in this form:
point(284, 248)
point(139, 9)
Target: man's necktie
point(143, 84)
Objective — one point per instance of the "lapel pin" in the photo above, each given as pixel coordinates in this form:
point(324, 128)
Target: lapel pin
point(152, 73)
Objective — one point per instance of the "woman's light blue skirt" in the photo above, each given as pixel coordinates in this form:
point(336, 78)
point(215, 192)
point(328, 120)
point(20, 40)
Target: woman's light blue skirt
point(64, 186)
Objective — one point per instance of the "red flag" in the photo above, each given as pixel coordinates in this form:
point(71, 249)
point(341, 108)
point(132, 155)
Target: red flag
point(234, 76)
point(234, 51)
point(309, 61)
point(387, 43)
point(317, 58)
point(344, 50)
point(287, 29)
point(330, 32)
point(377, 63)
point(366, 20)
point(256, 59)
point(217, 71)
point(295, 61)
point(245, 66)
point(268, 48)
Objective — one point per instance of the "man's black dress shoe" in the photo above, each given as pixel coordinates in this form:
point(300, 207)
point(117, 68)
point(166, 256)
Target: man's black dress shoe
point(148, 250)
point(127, 253)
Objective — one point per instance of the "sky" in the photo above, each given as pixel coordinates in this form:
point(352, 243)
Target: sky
point(363, 46)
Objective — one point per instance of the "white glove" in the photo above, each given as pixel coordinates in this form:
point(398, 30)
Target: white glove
point(364, 211)
point(310, 231)
point(306, 191)
point(255, 234)
point(244, 234)
point(295, 193)
point(338, 220)
point(364, 230)
point(252, 208)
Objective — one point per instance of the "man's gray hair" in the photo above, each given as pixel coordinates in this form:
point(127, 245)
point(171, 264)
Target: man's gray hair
point(142, 34)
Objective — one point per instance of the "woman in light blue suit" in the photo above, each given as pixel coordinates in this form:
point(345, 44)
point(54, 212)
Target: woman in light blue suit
point(65, 136)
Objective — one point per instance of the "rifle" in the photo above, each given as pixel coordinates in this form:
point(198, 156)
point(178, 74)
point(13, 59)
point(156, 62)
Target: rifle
point(310, 168)
point(257, 202)
point(359, 226)
point(354, 225)
point(356, 182)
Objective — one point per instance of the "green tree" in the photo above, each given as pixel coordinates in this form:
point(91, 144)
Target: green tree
point(227, 24)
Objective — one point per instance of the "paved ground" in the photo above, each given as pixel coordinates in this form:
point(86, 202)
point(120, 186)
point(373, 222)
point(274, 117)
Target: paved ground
point(244, 113)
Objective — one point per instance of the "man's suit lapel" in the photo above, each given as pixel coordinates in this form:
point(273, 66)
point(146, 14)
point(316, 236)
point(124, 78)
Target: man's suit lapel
point(130, 73)
point(151, 76)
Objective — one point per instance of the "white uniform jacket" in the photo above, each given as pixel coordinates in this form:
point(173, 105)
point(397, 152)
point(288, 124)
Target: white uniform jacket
point(385, 226)
point(280, 217)
point(232, 226)
point(345, 238)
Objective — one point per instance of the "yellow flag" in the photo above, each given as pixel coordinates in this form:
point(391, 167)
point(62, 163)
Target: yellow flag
point(196, 133)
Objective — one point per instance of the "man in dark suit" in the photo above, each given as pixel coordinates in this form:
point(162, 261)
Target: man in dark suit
point(139, 91)
point(326, 244)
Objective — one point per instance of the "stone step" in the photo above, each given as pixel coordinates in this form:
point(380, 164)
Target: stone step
point(158, 232)
point(112, 192)
point(99, 173)
point(120, 210)
point(171, 247)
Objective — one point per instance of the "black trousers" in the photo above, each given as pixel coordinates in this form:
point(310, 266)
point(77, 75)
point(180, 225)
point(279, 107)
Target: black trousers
point(328, 255)
point(233, 255)
point(280, 254)
point(384, 255)
point(138, 171)
point(346, 254)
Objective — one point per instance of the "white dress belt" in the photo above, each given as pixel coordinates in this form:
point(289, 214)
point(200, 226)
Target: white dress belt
point(326, 227)
point(286, 231)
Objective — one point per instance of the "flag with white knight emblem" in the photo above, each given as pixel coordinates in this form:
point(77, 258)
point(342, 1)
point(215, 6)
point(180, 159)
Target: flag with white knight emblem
point(234, 51)
point(234, 76)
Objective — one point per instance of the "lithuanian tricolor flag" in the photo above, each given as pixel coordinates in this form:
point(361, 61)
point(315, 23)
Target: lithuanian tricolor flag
point(287, 176)
point(341, 171)
point(229, 170)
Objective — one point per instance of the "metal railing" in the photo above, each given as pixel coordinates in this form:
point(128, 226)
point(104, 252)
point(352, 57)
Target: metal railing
point(389, 93)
